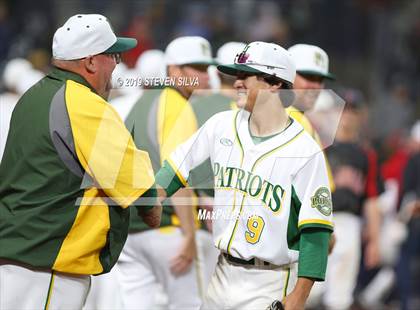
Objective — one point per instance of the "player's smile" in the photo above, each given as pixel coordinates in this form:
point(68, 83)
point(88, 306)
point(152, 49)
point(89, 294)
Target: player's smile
point(243, 80)
point(242, 98)
point(248, 86)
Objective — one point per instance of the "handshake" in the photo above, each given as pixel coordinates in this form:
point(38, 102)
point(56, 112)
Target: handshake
point(152, 215)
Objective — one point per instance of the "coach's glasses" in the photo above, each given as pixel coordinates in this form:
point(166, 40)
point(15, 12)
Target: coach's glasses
point(115, 56)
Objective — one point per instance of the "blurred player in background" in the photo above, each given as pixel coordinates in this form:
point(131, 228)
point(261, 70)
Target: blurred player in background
point(223, 98)
point(312, 69)
point(159, 121)
point(354, 168)
point(18, 77)
point(150, 66)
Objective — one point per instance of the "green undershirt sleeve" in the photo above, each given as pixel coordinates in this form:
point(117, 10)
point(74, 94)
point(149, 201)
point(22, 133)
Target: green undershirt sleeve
point(168, 180)
point(313, 253)
point(146, 201)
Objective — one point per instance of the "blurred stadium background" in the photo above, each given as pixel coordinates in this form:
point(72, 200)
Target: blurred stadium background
point(373, 46)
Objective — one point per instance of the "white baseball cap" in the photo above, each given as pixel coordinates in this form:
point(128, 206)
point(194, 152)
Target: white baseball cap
point(227, 52)
point(262, 57)
point(14, 70)
point(311, 59)
point(190, 50)
point(28, 80)
point(84, 35)
point(151, 64)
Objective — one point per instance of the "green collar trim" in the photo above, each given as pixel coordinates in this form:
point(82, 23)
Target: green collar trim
point(63, 75)
point(260, 139)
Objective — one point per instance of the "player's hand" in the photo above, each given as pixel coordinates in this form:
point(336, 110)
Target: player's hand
point(293, 301)
point(151, 217)
point(297, 298)
point(181, 263)
point(414, 208)
point(372, 254)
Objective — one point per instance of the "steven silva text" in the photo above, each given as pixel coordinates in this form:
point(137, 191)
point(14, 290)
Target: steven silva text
point(158, 82)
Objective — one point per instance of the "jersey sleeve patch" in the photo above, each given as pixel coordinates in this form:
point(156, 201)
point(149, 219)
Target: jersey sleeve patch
point(321, 201)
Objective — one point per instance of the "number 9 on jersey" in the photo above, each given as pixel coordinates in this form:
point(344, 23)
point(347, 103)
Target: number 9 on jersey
point(255, 227)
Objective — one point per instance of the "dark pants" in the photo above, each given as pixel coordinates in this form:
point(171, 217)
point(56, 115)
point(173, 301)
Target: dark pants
point(408, 269)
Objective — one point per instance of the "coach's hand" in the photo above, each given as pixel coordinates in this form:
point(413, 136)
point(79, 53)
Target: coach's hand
point(181, 263)
point(152, 216)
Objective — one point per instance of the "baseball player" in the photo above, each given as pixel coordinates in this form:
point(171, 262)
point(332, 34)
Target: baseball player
point(272, 198)
point(312, 69)
point(69, 172)
point(161, 120)
point(354, 167)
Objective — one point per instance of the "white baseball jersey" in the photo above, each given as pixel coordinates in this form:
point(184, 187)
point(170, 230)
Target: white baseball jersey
point(265, 193)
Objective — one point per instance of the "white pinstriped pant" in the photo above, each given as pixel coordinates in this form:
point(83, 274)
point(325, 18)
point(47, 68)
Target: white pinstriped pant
point(24, 289)
point(235, 286)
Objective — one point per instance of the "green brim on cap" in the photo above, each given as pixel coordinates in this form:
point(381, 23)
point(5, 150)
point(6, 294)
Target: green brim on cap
point(208, 63)
point(122, 45)
point(235, 68)
point(328, 76)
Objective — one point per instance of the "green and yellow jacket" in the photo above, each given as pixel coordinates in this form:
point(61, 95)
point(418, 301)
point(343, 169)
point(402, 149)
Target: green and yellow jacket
point(69, 172)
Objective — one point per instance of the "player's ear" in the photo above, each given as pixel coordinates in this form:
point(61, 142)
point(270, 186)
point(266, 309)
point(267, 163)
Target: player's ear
point(276, 87)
